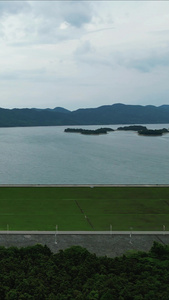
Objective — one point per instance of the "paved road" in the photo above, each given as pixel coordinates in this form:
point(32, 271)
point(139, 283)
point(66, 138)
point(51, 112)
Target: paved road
point(86, 232)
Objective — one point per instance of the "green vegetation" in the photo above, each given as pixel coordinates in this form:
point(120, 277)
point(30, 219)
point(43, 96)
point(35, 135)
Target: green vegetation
point(36, 273)
point(84, 208)
point(88, 131)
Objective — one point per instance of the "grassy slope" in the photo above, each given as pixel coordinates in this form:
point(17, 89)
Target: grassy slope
point(41, 208)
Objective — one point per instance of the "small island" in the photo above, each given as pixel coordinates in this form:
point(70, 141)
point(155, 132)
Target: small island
point(88, 131)
point(133, 128)
point(143, 130)
point(153, 132)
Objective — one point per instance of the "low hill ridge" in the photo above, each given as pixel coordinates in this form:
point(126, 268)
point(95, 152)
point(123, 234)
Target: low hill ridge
point(117, 113)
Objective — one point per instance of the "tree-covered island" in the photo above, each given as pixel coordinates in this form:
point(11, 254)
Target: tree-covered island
point(153, 132)
point(89, 131)
point(143, 130)
point(132, 128)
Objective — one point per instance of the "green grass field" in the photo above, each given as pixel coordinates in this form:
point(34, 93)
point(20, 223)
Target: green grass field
point(84, 208)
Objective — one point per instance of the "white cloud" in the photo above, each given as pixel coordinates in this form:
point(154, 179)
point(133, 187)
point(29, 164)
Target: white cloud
point(64, 25)
point(85, 53)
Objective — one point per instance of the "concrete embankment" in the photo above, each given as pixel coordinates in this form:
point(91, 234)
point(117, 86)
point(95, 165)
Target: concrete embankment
point(102, 244)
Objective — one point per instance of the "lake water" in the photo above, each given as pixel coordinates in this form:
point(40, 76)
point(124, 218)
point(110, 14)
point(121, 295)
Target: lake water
point(48, 155)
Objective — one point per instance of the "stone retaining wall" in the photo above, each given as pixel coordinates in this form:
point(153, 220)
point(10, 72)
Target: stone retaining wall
point(109, 245)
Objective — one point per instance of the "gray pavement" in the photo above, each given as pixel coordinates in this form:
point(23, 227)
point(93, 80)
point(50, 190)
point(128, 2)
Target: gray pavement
point(86, 232)
point(111, 245)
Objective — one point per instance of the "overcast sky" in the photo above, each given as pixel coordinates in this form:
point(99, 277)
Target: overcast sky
point(78, 54)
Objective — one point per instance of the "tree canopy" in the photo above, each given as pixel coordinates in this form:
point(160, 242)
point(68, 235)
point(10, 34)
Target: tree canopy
point(76, 274)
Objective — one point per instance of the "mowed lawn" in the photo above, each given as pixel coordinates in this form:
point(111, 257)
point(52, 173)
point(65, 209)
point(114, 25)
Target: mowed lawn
point(84, 208)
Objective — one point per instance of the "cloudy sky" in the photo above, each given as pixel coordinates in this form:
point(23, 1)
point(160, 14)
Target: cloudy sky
point(78, 54)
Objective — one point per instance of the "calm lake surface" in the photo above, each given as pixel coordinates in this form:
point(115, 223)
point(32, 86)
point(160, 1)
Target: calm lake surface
point(48, 155)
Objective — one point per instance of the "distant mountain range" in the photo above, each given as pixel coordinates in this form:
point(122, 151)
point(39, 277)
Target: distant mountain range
point(104, 115)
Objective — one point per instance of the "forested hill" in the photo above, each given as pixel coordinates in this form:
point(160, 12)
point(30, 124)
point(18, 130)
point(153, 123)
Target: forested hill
point(108, 114)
